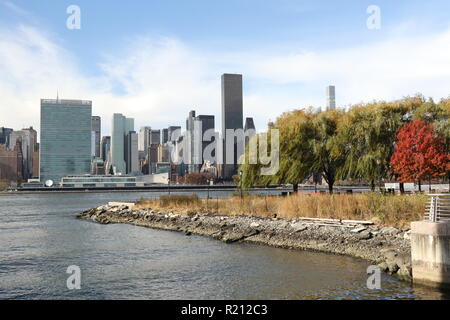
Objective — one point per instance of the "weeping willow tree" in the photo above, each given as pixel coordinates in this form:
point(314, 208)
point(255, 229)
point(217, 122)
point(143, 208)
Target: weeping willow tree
point(295, 155)
point(327, 158)
point(367, 138)
point(339, 145)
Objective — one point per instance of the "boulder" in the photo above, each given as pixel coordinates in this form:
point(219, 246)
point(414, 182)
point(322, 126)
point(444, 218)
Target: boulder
point(366, 235)
point(299, 227)
point(254, 225)
point(358, 230)
point(389, 231)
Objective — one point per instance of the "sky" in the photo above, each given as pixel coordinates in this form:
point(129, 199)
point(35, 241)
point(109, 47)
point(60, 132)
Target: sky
point(157, 60)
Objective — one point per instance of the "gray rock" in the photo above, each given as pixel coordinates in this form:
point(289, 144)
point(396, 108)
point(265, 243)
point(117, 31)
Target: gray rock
point(390, 231)
point(358, 230)
point(366, 235)
point(254, 225)
point(299, 227)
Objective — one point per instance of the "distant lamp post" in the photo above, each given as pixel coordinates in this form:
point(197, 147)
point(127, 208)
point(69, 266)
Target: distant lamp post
point(168, 180)
point(209, 183)
point(240, 182)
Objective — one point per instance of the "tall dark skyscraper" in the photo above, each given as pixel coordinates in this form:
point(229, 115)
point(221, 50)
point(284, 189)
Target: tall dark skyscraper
point(232, 117)
point(105, 148)
point(97, 129)
point(250, 129)
point(4, 135)
point(155, 137)
point(164, 136)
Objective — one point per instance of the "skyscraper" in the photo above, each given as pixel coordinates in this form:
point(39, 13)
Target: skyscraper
point(97, 129)
point(65, 143)
point(121, 126)
point(144, 138)
point(105, 148)
point(171, 133)
point(331, 97)
point(249, 129)
point(28, 138)
point(155, 137)
point(4, 135)
point(232, 117)
point(131, 152)
point(190, 139)
point(205, 123)
point(164, 136)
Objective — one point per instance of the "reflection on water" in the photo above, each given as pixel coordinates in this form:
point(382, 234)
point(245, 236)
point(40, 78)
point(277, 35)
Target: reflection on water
point(40, 238)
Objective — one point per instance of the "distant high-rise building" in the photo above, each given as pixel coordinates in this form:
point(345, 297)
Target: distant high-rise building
point(163, 153)
point(144, 138)
point(205, 122)
point(28, 139)
point(4, 135)
point(65, 144)
point(97, 129)
point(232, 118)
point(155, 137)
point(152, 157)
point(171, 133)
point(191, 146)
point(121, 126)
point(331, 97)
point(249, 129)
point(131, 152)
point(164, 136)
point(105, 148)
point(11, 162)
point(249, 124)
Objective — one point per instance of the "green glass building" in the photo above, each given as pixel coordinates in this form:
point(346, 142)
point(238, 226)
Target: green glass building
point(65, 147)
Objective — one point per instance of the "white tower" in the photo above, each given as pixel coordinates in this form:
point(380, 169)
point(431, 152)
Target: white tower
point(331, 97)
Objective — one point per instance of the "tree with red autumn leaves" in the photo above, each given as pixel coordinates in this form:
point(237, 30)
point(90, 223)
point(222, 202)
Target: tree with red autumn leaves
point(419, 153)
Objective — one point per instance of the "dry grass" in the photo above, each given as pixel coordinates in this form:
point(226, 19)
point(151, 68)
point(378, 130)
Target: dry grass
point(396, 211)
point(4, 184)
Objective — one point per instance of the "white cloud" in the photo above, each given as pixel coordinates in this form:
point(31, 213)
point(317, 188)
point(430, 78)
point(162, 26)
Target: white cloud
point(158, 81)
point(385, 70)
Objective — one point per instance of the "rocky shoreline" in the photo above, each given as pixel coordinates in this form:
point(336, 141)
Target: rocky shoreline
point(387, 247)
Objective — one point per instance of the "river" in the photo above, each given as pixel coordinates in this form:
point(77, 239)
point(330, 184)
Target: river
point(40, 237)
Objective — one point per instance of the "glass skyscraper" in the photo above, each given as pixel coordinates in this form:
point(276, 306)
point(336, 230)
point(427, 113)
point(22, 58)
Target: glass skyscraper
point(121, 126)
point(65, 138)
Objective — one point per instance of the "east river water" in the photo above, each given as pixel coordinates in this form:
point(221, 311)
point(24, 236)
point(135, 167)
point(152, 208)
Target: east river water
point(40, 238)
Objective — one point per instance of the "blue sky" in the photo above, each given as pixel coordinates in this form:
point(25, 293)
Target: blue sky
point(156, 60)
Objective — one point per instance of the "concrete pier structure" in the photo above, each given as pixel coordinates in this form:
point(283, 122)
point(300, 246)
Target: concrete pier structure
point(430, 250)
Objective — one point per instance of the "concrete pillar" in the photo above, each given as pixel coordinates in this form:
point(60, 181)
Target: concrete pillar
point(430, 250)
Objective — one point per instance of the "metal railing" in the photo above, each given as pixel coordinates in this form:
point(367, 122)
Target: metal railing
point(438, 208)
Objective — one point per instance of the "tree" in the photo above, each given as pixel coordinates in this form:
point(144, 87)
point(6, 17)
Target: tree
point(296, 158)
point(198, 178)
point(327, 160)
point(419, 153)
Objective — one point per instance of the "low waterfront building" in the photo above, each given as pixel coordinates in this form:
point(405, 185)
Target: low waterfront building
point(113, 181)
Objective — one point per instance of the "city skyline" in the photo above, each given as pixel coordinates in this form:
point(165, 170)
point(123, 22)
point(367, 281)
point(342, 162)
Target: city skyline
point(169, 66)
